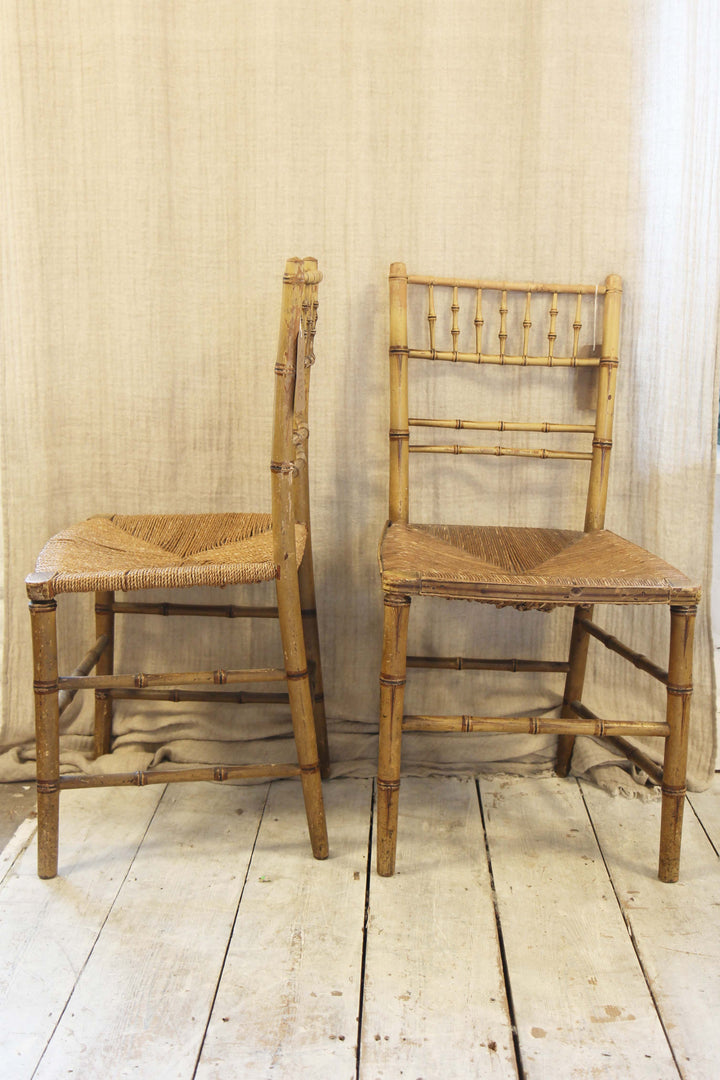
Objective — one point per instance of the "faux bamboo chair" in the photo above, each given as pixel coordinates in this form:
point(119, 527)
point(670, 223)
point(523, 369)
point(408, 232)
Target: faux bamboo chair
point(109, 553)
point(523, 567)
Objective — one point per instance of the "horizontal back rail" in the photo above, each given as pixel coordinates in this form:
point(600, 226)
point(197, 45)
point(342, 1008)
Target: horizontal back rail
point(499, 425)
point(498, 451)
point(503, 359)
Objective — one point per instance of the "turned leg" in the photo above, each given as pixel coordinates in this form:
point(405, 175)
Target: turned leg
point(47, 732)
point(679, 692)
point(574, 681)
point(392, 693)
point(301, 710)
point(104, 624)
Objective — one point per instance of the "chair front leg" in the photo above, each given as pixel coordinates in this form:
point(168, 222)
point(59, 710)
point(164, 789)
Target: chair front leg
point(392, 695)
point(679, 692)
point(47, 732)
point(301, 710)
point(574, 682)
point(104, 624)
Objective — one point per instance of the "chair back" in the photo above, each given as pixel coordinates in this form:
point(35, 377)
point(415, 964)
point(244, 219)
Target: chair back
point(295, 357)
point(521, 326)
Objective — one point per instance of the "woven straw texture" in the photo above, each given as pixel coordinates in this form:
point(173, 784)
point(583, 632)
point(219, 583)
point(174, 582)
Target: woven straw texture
point(162, 551)
point(162, 160)
point(563, 566)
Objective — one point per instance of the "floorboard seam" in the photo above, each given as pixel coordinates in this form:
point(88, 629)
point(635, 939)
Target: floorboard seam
point(702, 826)
point(501, 942)
point(231, 934)
point(366, 915)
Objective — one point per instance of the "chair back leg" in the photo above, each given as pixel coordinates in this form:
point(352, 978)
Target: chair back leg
point(312, 649)
point(104, 625)
point(301, 709)
point(577, 660)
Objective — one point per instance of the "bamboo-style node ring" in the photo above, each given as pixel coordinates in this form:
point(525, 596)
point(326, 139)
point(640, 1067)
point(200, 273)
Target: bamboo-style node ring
point(391, 680)
point(292, 676)
point(47, 787)
point(45, 687)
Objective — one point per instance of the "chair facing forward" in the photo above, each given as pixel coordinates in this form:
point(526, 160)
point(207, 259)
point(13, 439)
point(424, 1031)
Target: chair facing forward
point(119, 552)
point(528, 568)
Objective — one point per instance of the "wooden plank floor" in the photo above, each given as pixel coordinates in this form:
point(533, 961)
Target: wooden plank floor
point(525, 934)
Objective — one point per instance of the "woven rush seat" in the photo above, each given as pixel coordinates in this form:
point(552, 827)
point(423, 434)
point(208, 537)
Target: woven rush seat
point(537, 567)
point(150, 551)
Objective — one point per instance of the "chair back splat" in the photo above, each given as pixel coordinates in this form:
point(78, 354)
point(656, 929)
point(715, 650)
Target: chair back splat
point(118, 552)
point(440, 323)
point(529, 297)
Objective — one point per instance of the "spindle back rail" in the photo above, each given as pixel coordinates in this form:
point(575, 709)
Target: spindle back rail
point(559, 327)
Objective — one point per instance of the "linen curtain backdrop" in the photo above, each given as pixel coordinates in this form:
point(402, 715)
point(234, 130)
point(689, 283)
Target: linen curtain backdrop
point(159, 163)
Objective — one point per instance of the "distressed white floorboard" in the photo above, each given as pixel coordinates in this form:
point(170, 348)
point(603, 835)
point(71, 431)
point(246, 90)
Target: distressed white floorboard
point(20, 840)
point(49, 928)
point(110, 970)
point(676, 927)
point(581, 1004)
point(287, 1005)
point(434, 1003)
point(142, 1001)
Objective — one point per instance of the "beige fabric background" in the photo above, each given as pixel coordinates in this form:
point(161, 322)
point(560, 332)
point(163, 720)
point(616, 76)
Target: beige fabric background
point(160, 161)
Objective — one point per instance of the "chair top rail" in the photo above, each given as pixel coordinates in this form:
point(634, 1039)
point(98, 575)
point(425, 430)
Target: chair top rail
point(506, 286)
